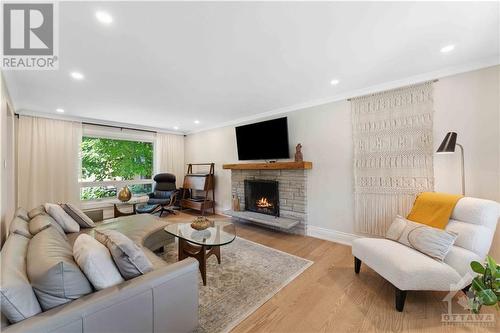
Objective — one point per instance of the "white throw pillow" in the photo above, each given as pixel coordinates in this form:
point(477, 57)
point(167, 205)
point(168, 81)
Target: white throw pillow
point(435, 243)
point(96, 262)
point(62, 218)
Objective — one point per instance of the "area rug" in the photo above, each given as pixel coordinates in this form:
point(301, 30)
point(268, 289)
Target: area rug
point(249, 275)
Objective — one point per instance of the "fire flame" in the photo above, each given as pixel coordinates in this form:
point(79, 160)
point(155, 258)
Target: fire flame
point(263, 203)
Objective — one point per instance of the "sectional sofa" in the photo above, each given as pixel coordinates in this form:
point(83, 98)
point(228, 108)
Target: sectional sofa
point(164, 300)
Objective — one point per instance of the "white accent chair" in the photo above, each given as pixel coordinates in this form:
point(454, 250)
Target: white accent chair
point(474, 220)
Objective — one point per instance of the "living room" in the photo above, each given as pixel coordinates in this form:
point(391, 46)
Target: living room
point(250, 166)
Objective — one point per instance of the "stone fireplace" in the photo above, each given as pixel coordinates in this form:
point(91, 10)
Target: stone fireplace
point(262, 196)
point(274, 195)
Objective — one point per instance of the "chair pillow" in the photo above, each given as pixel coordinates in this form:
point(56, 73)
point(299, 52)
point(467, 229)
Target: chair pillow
point(54, 275)
point(18, 299)
point(22, 213)
point(76, 214)
point(62, 218)
point(20, 227)
point(36, 211)
point(95, 261)
point(435, 243)
point(40, 222)
point(128, 257)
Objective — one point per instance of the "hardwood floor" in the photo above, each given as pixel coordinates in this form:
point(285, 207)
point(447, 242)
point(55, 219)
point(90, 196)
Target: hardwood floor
point(329, 297)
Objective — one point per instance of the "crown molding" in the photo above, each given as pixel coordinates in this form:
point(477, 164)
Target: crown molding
point(445, 72)
point(95, 121)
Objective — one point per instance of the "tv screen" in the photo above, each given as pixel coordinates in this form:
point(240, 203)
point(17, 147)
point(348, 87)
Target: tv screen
point(267, 140)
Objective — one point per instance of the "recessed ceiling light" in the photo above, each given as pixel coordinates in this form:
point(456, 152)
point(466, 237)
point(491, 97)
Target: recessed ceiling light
point(77, 75)
point(104, 17)
point(196, 122)
point(60, 110)
point(447, 48)
point(334, 82)
point(176, 128)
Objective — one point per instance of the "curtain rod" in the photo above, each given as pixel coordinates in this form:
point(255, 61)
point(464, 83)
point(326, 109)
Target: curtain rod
point(433, 81)
point(120, 127)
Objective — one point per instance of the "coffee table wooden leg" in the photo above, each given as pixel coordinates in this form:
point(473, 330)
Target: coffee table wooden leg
point(202, 259)
point(216, 251)
point(180, 249)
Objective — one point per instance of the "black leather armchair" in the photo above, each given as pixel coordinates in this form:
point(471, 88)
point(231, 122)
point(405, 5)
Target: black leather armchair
point(164, 193)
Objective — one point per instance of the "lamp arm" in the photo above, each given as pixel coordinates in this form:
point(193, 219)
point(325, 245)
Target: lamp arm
point(462, 166)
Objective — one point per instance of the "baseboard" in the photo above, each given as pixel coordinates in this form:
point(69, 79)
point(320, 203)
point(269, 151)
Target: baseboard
point(331, 235)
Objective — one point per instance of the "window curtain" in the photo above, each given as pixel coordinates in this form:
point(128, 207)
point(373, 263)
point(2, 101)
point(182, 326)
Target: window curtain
point(393, 154)
point(48, 161)
point(170, 155)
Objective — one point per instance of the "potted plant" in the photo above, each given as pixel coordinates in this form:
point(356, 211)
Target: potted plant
point(485, 287)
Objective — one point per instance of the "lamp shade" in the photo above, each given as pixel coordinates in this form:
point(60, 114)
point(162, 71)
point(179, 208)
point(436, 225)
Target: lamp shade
point(448, 144)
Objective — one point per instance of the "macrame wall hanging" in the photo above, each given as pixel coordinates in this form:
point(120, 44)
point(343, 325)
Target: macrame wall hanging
point(393, 150)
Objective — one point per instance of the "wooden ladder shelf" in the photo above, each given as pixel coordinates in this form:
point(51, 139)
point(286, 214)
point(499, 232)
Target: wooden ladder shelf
point(199, 182)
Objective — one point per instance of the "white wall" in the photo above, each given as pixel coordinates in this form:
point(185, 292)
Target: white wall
point(467, 103)
point(7, 168)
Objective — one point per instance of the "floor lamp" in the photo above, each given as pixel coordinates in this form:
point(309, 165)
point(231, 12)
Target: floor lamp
point(448, 147)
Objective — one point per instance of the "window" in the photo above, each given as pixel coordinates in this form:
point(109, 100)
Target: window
point(108, 164)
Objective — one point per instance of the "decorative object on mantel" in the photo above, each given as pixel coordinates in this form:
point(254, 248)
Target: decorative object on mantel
point(201, 223)
point(269, 166)
point(236, 203)
point(393, 154)
point(298, 153)
point(124, 195)
point(448, 147)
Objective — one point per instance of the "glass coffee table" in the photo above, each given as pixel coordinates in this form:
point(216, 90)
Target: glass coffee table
point(201, 244)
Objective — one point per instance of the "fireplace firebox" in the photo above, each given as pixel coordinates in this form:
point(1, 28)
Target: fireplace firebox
point(262, 196)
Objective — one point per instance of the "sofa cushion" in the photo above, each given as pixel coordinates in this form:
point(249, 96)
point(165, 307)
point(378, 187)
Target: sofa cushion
point(17, 297)
point(36, 211)
point(477, 211)
point(473, 237)
point(76, 214)
point(20, 227)
point(406, 268)
point(54, 275)
point(129, 258)
point(62, 218)
point(95, 261)
point(22, 213)
point(459, 259)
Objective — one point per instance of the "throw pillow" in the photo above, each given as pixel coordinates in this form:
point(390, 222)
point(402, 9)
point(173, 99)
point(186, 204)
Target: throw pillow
point(62, 218)
point(435, 243)
point(20, 227)
point(18, 300)
point(95, 261)
point(40, 222)
point(128, 257)
point(80, 217)
point(36, 211)
point(22, 213)
point(54, 274)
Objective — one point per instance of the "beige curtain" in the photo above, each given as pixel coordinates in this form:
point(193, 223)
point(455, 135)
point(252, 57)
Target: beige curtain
point(48, 161)
point(170, 155)
point(392, 134)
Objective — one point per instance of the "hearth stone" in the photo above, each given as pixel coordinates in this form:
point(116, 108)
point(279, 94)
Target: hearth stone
point(292, 194)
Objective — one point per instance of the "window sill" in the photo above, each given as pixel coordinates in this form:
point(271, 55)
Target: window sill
point(109, 202)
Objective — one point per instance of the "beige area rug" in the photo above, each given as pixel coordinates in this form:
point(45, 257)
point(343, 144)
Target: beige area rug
point(249, 275)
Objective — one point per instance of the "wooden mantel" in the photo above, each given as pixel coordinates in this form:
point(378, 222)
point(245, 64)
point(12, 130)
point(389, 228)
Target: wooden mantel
point(269, 166)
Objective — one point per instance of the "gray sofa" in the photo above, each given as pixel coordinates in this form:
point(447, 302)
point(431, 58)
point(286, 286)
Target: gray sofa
point(164, 300)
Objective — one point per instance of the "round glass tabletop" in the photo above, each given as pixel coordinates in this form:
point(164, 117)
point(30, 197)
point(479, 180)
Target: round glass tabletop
point(221, 233)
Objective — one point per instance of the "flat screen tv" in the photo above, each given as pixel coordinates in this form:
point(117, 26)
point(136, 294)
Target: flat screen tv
point(267, 140)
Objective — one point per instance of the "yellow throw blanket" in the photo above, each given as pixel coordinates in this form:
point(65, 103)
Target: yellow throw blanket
point(433, 209)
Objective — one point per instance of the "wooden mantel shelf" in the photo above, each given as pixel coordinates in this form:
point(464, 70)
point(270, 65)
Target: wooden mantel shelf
point(269, 166)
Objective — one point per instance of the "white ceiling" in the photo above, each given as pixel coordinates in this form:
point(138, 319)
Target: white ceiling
point(166, 64)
